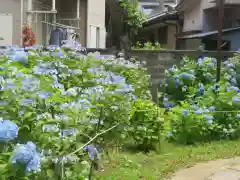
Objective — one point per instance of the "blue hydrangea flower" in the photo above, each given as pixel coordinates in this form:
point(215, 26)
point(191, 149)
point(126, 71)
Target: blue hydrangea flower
point(177, 83)
point(199, 111)
point(233, 88)
point(92, 152)
point(210, 65)
point(195, 107)
point(23, 153)
point(50, 128)
point(58, 54)
point(187, 76)
point(44, 95)
point(233, 72)
point(167, 104)
point(172, 69)
point(209, 118)
point(230, 65)
point(71, 92)
point(236, 100)
point(234, 81)
point(238, 116)
point(184, 113)
point(212, 109)
point(201, 89)
point(34, 165)
point(26, 154)
point(200, 62)
point(20, 56)
point(214, 60)
point(58, 85)
point(8, 130)
point(68, 132)
point(26, 102)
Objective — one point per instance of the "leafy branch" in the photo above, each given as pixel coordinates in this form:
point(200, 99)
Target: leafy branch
point(92, 139)
point(135, 18)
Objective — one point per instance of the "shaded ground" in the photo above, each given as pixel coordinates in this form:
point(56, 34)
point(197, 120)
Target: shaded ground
point(156, 166)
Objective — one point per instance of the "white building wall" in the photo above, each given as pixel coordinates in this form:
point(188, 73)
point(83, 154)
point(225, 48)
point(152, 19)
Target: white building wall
point(96, 24)
point(13, 7)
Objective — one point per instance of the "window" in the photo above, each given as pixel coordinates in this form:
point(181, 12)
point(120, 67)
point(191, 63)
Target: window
point(211, 45)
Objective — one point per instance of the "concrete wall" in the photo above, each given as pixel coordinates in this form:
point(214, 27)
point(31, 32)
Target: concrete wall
point(193, 18)
point(13, 7)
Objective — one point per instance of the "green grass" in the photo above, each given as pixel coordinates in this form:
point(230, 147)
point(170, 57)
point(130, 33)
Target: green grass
point(127, 165)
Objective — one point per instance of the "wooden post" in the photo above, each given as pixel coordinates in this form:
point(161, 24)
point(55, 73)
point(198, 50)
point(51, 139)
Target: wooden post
point(78, 9)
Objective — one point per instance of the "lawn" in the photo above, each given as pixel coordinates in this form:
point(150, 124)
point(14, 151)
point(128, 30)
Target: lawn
point(127, 165)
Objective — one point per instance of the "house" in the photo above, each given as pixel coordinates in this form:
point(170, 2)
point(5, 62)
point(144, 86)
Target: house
point(85, 17)
point(199, 24)
point(162, 23)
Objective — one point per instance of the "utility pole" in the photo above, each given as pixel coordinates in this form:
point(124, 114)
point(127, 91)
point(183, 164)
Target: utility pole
point(220, 27)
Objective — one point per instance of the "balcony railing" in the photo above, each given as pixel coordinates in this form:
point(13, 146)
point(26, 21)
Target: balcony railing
point(226, 2)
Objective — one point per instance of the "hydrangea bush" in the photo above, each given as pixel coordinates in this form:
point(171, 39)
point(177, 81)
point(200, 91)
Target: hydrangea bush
point(200, 109)
point(58, 105)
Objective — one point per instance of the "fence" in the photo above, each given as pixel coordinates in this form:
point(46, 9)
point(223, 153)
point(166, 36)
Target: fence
point(157, 61)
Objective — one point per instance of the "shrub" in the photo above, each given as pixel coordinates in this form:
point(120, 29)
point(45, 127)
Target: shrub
point(149, 46)
point(199, 108)
point(146, 124)
point(57, 104)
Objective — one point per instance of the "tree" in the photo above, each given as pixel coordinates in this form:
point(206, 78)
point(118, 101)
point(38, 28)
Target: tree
point(125, 22)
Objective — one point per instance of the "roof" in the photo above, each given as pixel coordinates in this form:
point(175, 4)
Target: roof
point(205, 34)
point(179, 4)
point(161, 15)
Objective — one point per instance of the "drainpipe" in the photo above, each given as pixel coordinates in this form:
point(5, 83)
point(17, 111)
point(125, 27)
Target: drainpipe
point(54, 9)
point(78, 9)
point(53, 5)
point(29, 14)
point(21, 40)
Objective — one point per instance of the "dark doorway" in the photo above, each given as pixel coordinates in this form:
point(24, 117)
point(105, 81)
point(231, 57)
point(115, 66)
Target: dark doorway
point(211, 45)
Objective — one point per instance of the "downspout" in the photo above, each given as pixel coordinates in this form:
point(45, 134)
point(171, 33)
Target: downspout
point(21, 40)
point(87, 25)
point(78, 9)
point(54, 9)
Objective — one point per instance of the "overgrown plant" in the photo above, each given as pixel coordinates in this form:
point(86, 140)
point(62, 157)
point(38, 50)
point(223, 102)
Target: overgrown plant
point(146, 125)
point(135, 18)
point(58, 105)
point(149, 46)
point(200, 109)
